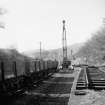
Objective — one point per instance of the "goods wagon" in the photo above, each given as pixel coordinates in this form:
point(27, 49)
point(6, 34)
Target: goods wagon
point(16, 76)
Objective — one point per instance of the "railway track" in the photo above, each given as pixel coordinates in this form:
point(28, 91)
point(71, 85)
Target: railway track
point(53, 91)
point(82, 81)
point(91, 78)
point(96, 78)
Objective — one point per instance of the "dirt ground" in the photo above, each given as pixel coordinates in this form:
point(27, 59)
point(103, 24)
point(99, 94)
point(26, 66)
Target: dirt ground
point(91, 97)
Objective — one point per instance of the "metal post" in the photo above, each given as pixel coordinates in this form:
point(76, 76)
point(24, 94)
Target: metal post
point(86, 78)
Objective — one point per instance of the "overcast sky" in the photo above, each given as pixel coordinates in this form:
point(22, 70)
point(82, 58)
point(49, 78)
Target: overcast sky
point(27, 22)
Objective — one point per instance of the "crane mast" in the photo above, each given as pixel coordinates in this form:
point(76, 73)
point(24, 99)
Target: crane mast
point(64, 42)
point(66, 62)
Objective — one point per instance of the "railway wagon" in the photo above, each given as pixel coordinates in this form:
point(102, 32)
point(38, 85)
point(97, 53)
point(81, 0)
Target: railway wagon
point(52, 66)
point(15, 76)
point(12, 77)
point(34, 71)
point(41, 69)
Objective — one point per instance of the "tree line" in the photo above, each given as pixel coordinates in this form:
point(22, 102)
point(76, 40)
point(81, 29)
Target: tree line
point(94, 49)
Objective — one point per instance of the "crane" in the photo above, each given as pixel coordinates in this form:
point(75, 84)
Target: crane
point(66, 62)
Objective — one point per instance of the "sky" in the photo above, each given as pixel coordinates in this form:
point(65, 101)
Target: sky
point(27, 22)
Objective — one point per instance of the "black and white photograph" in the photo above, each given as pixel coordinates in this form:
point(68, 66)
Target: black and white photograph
point(52, 52)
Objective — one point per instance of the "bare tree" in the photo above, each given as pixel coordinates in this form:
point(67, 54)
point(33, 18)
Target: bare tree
point(2, 12)
point(94, 49)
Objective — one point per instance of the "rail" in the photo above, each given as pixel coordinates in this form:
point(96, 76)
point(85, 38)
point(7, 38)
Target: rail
point(86, 78)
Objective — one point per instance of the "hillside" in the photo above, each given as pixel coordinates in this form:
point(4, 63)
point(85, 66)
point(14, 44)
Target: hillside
point(93, 50)
point(54, 54)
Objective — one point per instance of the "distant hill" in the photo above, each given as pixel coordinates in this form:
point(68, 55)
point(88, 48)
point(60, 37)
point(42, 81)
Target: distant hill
point(54, 54)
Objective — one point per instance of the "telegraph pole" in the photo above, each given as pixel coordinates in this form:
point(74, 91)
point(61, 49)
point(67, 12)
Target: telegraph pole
point(40, 51)
point(71, 54)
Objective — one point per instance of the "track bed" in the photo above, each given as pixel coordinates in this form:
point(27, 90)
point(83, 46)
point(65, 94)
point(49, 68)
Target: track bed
point(53, 91)
point(95, 78)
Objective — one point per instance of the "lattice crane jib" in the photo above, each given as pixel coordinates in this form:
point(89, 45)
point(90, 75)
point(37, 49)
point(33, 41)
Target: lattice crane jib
point(64, 42)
